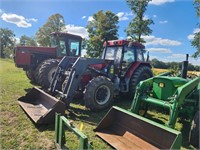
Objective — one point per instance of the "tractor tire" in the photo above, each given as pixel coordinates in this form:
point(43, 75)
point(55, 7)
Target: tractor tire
point(98, 94)
point(37, 72)
point(46, 72)
point(30, 75)
point(194, 131)
point(140, 74)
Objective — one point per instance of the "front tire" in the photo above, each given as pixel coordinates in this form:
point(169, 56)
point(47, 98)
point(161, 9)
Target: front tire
point(46, 72)
point(98, 94)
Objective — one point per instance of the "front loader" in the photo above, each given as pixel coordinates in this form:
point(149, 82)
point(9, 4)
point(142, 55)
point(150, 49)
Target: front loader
point(130, 129)
point(118, 71)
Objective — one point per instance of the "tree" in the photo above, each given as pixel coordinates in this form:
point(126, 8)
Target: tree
point(103, 25)
point(7, 42)
point(196, 41)
point(55, 23)
point(140, 24)
point(158, 64)
point(27, 41)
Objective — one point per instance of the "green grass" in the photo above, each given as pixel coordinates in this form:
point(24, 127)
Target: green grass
point(19, 132)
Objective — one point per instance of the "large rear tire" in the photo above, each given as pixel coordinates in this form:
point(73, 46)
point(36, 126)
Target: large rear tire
point(98, 94)
point(141, 73)
point(46, 72)
point(194, 131)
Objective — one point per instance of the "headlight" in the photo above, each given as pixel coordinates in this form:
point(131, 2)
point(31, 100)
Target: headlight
point(161, 85)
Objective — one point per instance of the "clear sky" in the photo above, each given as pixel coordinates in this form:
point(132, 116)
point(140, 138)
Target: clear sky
point(175, 21)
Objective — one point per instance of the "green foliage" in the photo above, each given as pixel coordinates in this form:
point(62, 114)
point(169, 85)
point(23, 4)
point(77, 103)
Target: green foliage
point(103, 25)
point(196, 44)
point(7, 42)
point(27, 41)
point(139, 25)
point(197, 7)
point(158, 64)
point(175, 66)
point(55, 23)
point(196, 41)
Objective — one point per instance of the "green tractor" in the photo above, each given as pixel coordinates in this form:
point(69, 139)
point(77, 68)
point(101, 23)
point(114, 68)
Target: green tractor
point(130, 129)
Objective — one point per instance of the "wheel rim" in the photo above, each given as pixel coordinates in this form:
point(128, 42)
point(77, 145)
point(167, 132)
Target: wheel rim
point(51, 74)
point(102, 95)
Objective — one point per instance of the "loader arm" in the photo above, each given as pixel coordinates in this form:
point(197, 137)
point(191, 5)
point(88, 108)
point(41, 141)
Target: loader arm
point(142, 89)
point(184, 90)
point(64, 65)
point(78, 69)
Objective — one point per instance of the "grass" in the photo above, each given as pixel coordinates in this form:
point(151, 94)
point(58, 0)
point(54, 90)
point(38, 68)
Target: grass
point(19, 132)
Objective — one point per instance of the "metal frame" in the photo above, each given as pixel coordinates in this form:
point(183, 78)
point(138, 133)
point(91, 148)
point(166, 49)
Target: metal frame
point(174, 105)
point(60, 139)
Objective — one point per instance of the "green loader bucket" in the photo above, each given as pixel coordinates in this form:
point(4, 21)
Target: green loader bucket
point(125, 130)
point(40, 106)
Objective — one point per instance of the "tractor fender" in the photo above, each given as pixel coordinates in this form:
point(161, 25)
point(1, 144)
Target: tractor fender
point(134, 66)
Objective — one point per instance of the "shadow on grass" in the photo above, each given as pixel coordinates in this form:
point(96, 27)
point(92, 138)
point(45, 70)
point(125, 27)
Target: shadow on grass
point(77, 112)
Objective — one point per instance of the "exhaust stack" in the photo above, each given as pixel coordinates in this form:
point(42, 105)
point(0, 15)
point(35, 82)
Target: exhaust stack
point(184, 67)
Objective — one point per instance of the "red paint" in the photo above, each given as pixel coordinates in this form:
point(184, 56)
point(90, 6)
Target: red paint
point(23, 53)
point(122, 42)
point(85, 79)
point(98, 66)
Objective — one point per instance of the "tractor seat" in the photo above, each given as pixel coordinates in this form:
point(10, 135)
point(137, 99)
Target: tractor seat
point(164, 87)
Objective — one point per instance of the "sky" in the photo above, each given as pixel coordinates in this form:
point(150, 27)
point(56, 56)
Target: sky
point(175, 21)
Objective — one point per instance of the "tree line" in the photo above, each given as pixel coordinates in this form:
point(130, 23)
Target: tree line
point(103, 25)
point(172, 65)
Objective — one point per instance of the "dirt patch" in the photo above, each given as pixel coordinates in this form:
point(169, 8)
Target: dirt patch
point(8, 118)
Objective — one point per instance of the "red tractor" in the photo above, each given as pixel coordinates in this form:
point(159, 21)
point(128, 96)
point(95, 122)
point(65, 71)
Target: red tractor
point(40, 63)
point(120, 69)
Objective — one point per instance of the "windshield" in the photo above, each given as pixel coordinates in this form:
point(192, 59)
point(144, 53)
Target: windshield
point(113, 53)
point(129, 55)
point(132, 54)
point(74, 47)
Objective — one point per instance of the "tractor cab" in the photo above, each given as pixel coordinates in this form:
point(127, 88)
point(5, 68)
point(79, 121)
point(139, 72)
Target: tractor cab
point(66, 44)
point(123, 53)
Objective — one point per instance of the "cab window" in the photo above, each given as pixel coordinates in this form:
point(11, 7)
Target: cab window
point(140, 56)
point(114, 53)
point(74, 47)
point(129, 55)
point(62, 47)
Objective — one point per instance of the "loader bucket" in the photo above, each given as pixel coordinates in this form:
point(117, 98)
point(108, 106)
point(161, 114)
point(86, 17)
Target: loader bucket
point(125, 130)
point(40, 106)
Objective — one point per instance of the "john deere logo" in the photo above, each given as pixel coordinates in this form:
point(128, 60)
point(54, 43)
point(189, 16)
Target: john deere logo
point(161, 85)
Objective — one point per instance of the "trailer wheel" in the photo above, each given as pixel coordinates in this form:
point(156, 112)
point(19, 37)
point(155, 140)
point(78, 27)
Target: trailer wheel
point(98, 94)
point(194, 131)
point(46, 72)
point(141, 73)
point(30, 75)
